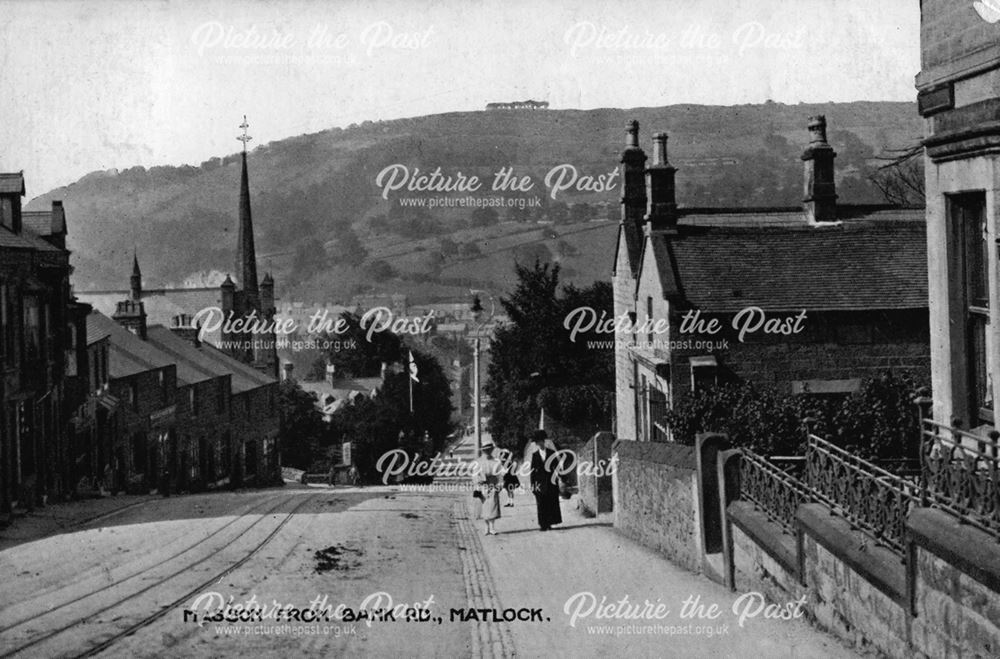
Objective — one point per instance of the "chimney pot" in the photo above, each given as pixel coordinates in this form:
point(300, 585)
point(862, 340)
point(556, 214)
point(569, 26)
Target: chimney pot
point(632, 134)
point(662, 212)
point(820, 187)
point(660, 149)
point(817, 129)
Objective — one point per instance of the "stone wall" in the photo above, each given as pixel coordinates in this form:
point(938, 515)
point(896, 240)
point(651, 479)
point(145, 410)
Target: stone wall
point(656, 501)
point(946, 605)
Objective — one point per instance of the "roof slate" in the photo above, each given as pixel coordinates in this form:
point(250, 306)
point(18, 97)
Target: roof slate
point(854, 265)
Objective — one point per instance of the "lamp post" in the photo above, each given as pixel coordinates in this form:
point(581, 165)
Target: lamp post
point(477, 312)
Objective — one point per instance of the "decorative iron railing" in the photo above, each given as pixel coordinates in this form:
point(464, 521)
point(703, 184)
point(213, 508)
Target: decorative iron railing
point(960, 474)
point(771, 489)
point(867, 496)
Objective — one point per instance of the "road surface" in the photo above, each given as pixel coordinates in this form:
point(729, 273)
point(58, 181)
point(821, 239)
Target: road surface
point(139, 582)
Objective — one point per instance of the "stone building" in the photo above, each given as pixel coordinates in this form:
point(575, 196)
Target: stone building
point(959, 97)
point(41, 351)
point(810, 299)
point(144, 380)
point(189, 416)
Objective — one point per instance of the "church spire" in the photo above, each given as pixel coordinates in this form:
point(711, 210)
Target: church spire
point(135, 281)
point(246, 255)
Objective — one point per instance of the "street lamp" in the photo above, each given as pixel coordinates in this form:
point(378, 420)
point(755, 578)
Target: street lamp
point(477, 313)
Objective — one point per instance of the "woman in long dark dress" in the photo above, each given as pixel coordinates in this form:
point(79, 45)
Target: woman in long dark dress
point(544, 480)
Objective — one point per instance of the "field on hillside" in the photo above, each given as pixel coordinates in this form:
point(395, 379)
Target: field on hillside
point(327, 229)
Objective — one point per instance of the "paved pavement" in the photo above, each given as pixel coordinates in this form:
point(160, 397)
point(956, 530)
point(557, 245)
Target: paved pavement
point(572, 568)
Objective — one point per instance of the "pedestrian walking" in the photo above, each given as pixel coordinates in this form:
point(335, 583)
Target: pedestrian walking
point(545, 480)
point(489, 480)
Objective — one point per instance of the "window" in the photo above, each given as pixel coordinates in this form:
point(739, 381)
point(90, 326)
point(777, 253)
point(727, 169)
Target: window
point(968, 217)
point(220, 395)
point(193, 401)
point(133, 395)
point(657, 415)
point(703, 372)
point(32, 327)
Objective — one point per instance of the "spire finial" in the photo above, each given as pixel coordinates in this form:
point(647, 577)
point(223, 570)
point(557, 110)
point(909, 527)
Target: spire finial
point(244, 137)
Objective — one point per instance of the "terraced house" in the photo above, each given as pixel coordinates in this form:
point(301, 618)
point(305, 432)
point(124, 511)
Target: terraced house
point(810, 299)
point(191, 416)
point(42, 352)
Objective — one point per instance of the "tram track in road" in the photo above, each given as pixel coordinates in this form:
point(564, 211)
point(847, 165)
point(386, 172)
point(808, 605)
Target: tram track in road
point(163, 609)
point(250, 510)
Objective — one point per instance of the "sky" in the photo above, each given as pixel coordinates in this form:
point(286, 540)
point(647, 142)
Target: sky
point(102, 84)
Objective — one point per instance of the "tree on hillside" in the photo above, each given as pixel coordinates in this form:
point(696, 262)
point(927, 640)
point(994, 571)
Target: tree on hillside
point(380, 270)
point(533, 252)
point(310, 258)
point(348, 249)
point(534, 363)
point(558, 212)
point(484, 217)
point(518, 214)
point(580, 212)
point(448, 247)
point(469, 250)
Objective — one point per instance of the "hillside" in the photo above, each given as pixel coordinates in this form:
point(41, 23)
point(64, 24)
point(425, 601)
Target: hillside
point(325, 230)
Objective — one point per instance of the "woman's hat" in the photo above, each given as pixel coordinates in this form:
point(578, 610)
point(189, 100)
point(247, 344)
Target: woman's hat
point(488, 446)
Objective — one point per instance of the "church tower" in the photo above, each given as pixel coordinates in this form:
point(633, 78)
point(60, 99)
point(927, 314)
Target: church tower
point(256, 349)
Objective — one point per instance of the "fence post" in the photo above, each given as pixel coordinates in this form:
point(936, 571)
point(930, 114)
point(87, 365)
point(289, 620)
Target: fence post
point(728, 474)
point(707, 447)
point(923, 403)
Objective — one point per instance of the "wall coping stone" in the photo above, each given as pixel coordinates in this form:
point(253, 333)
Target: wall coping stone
point(676, 455)
point(972, 551)
point(879, 566)
point(770, 537)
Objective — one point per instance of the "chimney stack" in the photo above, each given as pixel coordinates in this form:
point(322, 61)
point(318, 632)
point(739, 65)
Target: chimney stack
point(131, 314)
point(58, 229)
point(662, 215)
point(820, 201)
point(633, 178)
point(183, 326)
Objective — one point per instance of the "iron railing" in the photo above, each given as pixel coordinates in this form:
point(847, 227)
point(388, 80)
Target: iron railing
point(771, 489)
point(960, 474)
point(866, 495)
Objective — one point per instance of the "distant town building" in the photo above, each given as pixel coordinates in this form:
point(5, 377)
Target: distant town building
point(843, 288)
point(518, 105)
